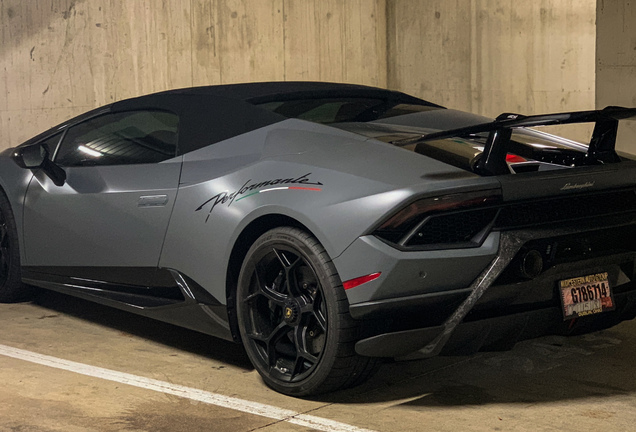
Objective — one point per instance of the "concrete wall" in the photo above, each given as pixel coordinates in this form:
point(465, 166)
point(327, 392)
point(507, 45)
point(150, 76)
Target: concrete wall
point(61, 57)
point(616, 63)
point(494, 56)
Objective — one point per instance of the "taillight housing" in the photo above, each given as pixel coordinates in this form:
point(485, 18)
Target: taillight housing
point(448, 221)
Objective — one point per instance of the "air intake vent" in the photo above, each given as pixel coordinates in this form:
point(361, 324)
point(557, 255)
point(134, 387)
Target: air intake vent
point(462, 227)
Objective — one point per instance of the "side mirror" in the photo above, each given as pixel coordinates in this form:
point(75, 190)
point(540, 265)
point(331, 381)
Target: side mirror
point(31, 156)
point(36, 156)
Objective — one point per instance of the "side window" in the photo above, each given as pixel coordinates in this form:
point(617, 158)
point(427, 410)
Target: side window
point(135, 137)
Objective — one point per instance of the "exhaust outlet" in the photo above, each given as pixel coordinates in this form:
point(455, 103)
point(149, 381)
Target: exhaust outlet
point(530, 264)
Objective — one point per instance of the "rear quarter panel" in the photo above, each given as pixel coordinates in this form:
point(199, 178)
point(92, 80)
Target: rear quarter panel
point(347, 184)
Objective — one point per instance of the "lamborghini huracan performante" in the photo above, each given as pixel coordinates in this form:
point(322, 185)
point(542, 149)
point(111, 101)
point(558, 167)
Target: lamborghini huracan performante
point(326, 226)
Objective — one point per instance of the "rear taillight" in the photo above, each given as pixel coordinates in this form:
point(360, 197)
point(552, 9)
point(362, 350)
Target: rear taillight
point(456, 220)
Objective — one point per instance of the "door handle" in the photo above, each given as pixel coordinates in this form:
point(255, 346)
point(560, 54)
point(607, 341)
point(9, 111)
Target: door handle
point(152, 201)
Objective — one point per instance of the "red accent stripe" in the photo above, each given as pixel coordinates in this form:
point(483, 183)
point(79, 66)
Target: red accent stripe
point(302, 188)
point(352, 283)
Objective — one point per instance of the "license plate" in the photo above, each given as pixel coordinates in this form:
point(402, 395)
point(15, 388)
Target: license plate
point(586, 295)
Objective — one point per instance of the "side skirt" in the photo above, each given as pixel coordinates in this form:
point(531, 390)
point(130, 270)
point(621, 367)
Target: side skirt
point(185, 303)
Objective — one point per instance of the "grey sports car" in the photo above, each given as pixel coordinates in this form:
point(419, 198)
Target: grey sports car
point(326, 226)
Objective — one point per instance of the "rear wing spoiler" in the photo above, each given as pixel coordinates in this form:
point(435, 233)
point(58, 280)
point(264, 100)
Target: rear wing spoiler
point(601, 148)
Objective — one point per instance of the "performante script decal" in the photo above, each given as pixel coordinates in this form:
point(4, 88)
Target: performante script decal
point(252, 188)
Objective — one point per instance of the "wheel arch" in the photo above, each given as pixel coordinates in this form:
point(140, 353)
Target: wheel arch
point(14, 183)
point(16, 210)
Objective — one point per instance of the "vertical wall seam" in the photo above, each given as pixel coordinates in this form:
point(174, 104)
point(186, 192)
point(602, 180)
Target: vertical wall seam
point(191, 44)
point(387, 44)
point(284, 41)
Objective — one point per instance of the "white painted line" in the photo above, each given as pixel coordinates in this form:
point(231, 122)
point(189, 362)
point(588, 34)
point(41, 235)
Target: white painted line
point(229, 402)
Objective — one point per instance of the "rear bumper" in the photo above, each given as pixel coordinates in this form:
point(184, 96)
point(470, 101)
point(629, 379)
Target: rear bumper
point(494, 334)
point(498, 308)
point(410, 273)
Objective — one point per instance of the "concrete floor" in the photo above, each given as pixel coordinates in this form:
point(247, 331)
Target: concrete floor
point(585, 383)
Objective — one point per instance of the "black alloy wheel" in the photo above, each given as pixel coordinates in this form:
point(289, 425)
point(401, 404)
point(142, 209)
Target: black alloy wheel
point(293, 316)
point(286, 314)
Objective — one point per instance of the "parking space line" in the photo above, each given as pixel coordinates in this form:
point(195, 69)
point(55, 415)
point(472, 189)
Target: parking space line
point(229, 402)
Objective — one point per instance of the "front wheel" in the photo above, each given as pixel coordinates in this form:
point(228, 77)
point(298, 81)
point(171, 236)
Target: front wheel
point(293, 316)
point(11, 287)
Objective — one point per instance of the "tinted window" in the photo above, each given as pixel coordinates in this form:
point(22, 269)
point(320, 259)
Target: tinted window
point(343, 110)
point(135, 137)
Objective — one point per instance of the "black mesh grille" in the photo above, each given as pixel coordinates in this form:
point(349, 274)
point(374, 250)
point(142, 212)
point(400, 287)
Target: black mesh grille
point(565, 208)
point(461, 227)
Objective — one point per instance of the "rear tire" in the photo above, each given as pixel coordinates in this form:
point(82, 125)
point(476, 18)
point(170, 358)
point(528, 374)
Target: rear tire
point(11, 287)
point(293, 316)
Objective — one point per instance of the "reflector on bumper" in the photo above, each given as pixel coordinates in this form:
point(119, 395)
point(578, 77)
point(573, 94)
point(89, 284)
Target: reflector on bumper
point(352, 283)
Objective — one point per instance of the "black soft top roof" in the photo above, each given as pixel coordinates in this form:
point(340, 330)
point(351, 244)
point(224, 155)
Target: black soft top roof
point(287, 90)
point(237, 110)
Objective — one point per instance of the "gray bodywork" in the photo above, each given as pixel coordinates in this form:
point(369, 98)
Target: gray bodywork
point(188, 214)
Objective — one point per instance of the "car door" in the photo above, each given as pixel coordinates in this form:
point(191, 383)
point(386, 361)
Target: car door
point(111, 215)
